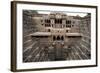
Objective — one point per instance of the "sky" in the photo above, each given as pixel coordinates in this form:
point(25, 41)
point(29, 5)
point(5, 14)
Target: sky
point(67, 13)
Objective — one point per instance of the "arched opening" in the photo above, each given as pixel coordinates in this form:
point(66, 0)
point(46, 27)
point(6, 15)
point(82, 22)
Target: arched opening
point(62, 38)
point(66, 30)
point(54, 38)
point(48, 30)
point(58, 37)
